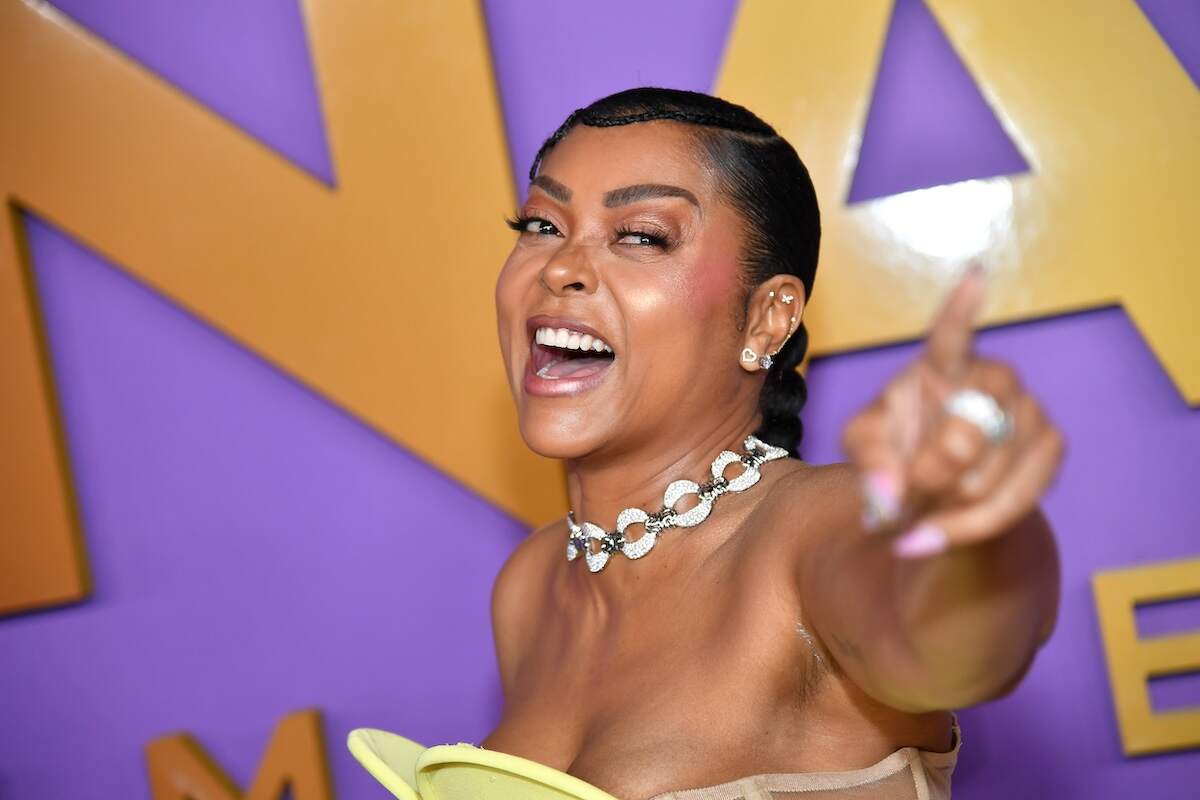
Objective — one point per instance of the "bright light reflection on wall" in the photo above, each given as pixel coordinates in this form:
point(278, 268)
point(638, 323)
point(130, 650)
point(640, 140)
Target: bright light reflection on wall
point(954, 222)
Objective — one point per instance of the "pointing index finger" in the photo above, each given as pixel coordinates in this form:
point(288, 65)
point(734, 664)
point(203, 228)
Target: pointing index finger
point(948, 347)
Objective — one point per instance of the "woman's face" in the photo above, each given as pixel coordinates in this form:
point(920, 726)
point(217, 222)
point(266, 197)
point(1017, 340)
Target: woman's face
point(625, 245)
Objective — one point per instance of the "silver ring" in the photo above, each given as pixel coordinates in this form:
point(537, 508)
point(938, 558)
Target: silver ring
point(982, 411)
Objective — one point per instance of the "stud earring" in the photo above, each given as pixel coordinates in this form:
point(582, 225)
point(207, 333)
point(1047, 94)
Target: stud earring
point(786, 299)
point(749, 355)
point(765, 362)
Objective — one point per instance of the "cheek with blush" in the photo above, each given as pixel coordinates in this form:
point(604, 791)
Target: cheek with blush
point(713, 284)
point(715, 275)
point(714, 294)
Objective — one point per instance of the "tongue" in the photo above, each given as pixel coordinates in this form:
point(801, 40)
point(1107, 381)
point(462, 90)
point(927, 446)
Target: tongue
point(576, 367)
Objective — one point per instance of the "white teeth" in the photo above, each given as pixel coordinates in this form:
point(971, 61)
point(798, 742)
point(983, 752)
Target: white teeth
point(568, 339)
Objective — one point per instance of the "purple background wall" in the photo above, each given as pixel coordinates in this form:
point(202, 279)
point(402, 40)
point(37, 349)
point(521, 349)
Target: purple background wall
point(255, 550)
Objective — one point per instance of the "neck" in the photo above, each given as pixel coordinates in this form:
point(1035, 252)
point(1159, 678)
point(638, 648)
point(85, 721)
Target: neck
point(600, 487)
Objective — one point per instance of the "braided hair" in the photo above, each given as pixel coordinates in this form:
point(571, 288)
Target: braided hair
point(765, 180)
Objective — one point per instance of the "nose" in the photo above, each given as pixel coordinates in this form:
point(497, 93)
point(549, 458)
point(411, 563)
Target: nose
point(567, 271)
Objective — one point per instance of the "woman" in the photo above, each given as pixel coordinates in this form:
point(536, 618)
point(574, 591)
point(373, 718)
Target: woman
point(819, 620)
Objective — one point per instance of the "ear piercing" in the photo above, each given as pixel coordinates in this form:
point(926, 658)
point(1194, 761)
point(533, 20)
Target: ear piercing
point(767, 360)
point(749, 356)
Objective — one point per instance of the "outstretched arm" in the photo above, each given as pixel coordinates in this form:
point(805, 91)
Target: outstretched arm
point(942, 594)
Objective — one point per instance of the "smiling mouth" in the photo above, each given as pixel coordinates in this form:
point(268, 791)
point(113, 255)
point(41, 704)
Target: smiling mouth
point(559, 353)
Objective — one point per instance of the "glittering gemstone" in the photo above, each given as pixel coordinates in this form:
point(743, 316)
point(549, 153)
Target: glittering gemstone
point(640, 546)
point(630, 516)
point(580, 537)
point(595, 561)
point(694, 515)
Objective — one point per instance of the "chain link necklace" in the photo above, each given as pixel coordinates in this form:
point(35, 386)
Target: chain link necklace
point(580, 536)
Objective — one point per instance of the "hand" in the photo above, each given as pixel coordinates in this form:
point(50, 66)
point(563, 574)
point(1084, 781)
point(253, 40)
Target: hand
point(933, 475)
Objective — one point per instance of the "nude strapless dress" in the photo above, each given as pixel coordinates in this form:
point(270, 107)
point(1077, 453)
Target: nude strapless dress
point(465, 772)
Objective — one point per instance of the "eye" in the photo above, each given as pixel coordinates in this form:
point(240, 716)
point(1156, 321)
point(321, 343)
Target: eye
point(641, 239)
point(535, 225)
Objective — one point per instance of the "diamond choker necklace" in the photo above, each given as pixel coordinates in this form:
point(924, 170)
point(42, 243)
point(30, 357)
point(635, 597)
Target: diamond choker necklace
point(579, 536)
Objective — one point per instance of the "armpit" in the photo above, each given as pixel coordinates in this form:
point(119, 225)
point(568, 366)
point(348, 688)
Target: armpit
point(816, 665)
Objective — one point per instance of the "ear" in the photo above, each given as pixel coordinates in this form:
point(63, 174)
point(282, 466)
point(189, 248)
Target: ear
point(775, 310)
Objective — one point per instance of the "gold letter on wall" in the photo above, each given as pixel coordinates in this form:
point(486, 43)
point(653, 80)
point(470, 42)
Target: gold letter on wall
point(1131, 661)
point(345, 288)
point(1111, 151)
point(295, 759)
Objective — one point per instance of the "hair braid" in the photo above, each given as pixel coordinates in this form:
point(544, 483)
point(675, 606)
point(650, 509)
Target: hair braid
point(784, 394)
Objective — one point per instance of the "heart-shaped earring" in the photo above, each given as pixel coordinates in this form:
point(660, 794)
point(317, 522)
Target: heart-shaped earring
point(749, 355)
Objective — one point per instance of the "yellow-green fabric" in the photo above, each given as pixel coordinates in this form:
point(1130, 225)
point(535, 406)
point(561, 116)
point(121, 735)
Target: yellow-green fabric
point(465, 772)
point(461, 771)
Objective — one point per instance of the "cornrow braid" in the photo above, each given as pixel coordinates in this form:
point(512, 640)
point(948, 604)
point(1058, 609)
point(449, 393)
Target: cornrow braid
point(765, 180)
point(588, 116)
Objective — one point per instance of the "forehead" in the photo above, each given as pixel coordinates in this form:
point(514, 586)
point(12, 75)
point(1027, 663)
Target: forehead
point(590, 161)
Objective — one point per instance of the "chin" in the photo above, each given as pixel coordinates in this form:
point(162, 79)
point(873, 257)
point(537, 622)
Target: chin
point(562, 433)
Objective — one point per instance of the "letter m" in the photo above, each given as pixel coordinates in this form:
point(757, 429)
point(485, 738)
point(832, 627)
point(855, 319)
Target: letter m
point(180, 769)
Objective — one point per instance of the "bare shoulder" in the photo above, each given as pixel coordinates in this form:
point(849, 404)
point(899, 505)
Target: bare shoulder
point(810, 498)
point(805, 477)
point(524, 570)
point(803, 504)
point(516, 592)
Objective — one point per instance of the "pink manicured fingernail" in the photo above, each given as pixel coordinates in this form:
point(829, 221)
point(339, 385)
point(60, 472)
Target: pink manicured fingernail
point(882, 493)
point(921, 541)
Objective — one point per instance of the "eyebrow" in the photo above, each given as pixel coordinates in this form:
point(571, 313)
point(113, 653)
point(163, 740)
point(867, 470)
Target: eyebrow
point(552, 187)
point(645, 191)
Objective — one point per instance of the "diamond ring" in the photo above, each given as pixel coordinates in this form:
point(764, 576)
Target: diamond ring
point(982, 411)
